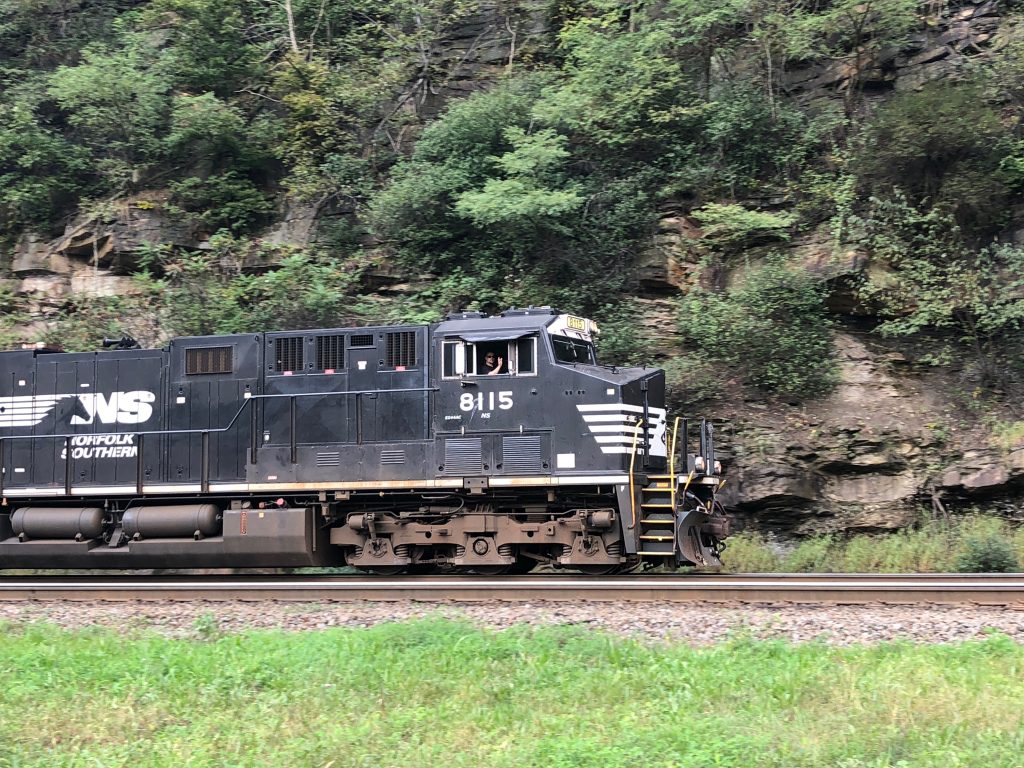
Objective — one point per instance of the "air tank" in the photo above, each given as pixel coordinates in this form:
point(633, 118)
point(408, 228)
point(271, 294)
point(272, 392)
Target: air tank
point(77, 523)
point(172, 522)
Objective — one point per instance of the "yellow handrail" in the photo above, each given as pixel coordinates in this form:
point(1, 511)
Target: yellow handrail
point(632, 493)
point(672, 463)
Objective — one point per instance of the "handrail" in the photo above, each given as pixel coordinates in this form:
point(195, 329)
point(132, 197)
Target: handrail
point(672, 464)
point(204, 433)
point(230, 424)
point(632, 492)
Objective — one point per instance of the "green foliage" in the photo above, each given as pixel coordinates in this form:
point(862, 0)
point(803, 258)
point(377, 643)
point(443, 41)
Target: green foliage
point(84, 322)
point(971, 543)
point(209, 48)
point(942, 146)
point(519, 198)
point(227, 201)
point(213, 292)
point(771, 329)
point(939, 285)
point(987, 554)
point(621, 341)
point(277, 697)
point(732, 227)
point(690, 381)
point(495, 209)
point(40, 171)
point(12, 312)
point(118, 104)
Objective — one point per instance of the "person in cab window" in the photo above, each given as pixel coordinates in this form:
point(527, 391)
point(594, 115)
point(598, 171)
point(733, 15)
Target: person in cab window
point(493, 364)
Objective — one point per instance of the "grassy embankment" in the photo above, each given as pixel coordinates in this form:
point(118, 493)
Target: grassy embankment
point(443, 693)
point(973, 543)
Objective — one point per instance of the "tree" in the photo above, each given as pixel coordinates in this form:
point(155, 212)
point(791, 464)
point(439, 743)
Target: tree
point(40, 172)
point(118, 104)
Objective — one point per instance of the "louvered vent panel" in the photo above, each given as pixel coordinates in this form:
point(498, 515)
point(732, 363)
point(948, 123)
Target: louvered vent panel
point(392, 457)
point(521, 454)
point(330, 353)
point(200, 360)
point(328, 459)
point(401, 349)
point(463, 456)
point(362, 340)
point(288, 353)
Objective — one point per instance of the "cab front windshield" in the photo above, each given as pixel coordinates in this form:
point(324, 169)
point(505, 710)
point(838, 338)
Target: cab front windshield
point(573, 350)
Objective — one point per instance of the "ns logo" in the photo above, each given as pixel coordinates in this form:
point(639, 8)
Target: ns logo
point(119, 408)
point(133, 407)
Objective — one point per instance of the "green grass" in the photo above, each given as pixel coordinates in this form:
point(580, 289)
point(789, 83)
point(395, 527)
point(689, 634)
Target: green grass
point(444, 693)
point(934, 546)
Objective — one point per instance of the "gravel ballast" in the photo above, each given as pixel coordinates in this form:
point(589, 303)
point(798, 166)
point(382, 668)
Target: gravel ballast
point(691, 623)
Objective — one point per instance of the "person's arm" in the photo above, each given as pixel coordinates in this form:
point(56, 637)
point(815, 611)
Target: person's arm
point(497, 368)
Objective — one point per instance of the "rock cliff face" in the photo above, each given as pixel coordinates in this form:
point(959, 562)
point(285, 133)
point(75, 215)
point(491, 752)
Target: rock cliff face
point(891, 438)
point(894, 438)
point(885, 444)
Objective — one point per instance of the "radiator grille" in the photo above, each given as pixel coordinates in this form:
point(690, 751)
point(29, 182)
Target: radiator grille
point(521, 454)
point(392, 457)
point(401, 349)
point(288, 353)
point(463, 455)
point(328, 459)
point(330, 353)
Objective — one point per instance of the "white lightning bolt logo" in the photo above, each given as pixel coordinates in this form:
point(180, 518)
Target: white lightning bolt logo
point(27, 411)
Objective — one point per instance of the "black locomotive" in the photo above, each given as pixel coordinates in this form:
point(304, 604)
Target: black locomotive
point(481, 443)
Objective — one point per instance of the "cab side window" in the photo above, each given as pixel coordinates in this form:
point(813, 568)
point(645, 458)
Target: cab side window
point(526, 356)
point(500, 357)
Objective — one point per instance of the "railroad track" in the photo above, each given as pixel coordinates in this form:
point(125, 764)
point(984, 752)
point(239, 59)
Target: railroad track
point(1003, 589)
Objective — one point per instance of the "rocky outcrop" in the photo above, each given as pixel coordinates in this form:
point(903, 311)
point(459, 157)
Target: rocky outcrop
point(95, 255)
point(886, 443)
point(955, 33)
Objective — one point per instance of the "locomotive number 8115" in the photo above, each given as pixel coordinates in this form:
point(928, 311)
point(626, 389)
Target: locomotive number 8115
point(481, 443)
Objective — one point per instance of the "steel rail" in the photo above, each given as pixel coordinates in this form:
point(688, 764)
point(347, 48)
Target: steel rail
point(1002, 589)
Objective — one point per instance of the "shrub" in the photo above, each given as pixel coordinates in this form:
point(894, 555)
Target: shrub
point(990, 553)
point(772, 330)
point(749, 553)
point(228, 201)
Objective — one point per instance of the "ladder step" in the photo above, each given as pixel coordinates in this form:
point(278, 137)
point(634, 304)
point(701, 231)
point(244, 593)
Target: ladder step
point(656, 554)
point(656, 521)
point(647, 505)
point(654, 537)
point(657, 488)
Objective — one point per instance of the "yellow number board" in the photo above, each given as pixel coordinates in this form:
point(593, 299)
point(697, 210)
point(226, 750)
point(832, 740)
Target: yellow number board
point(576, 323)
